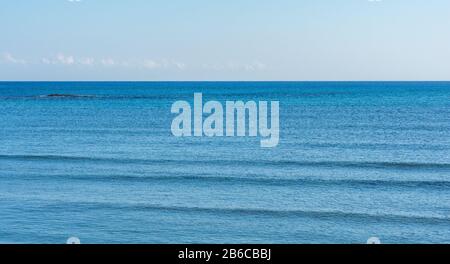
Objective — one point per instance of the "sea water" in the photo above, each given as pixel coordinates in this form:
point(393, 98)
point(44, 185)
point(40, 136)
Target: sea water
point(98, 161)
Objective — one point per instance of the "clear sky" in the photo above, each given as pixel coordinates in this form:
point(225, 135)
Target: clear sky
point(224, 40)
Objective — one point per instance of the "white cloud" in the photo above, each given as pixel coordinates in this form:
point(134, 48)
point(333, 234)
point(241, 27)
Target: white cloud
point(257, 65)
point(46, 61)
point(66, 60)
point(179, 65)
point(163, 64)
point(9, 58)
point(150, 64)
point(86, 61)
point(234, 66)
point(143, 64)
point(108, 62)
point(61, 59)
point(70, 60)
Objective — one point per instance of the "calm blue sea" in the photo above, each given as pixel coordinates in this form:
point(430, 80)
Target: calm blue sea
point(355, 160)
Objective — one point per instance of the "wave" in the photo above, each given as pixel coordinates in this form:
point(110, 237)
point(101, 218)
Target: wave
point(66, 96)
point(83, 96)
point(331, 215)
point(284, 163)
point(373, 146)
point(251, 180)
point(49, 96)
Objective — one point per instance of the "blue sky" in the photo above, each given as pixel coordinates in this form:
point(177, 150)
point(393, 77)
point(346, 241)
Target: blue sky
point(225, 40)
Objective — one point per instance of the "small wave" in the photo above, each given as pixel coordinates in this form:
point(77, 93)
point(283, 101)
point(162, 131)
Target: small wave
point(301, 181)
point(251, 180)
point(369, 164)
point(375, 146)
point(66, 96)
point(284, 163)
point(271, 181)
point(49, 96)
point(331, 215)
point(85, 96)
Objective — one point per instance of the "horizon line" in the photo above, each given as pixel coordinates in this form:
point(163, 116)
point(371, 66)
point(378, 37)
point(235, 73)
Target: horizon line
point(223, 81)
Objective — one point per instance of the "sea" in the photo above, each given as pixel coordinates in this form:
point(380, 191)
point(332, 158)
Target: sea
point(98, 161)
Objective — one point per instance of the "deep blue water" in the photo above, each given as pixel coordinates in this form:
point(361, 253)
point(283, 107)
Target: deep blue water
point(355, 160)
